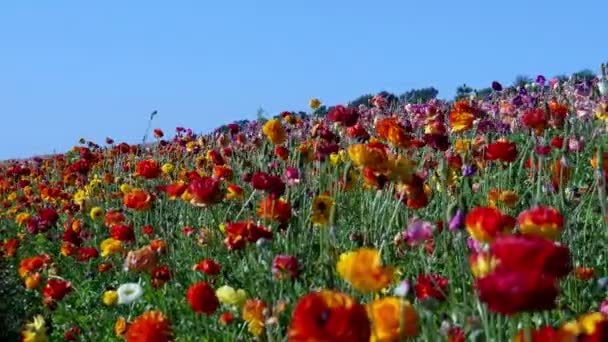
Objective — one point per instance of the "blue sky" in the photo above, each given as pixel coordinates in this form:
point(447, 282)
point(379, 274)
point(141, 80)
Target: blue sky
point(98, 68)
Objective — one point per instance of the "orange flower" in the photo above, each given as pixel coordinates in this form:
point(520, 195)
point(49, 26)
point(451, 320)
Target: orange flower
point(273, 129)
point(584, 273)
point(274, 210)
point(507, 197)
point(392, 131)
point(253, 314)
point(393, 319)
point(120, 327)
point(363, 269)
point(462, 117)
point(541, 221)
point(560, 174)
point(151, 326)
point(141, 260)
point(486, 223)
point(138, 199)
point(328, 316)
point(222, 172)
point(372, 155)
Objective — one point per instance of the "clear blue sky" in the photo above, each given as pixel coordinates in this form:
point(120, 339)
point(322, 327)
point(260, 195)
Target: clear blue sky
point(98, 68)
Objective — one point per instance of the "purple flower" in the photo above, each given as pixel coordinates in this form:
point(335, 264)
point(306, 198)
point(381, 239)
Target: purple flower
point(468, 170)
point(540, 79)
point(496, 86)
point(456, 221)
point(517, 101)
point(474, 245)
point(418, 231)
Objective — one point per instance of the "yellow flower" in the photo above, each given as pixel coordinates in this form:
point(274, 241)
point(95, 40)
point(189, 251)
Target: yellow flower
point(96, 213)
point(22, 218)
point(482, 264)
point(168, 168)
point(314, 103)
point(110, 298)
point(228, 295)
point(110, 246)
point(322, 207)
point(364, 156)
point(400, 169)
point(80, 197)
point(509, 198)
point(393, 319)
point(275, 132)
point(462, 146)
point(335, 159)
point(364, 271)
point(35, 331)
point(253, 314)
point(585, 324)
point(125, 188)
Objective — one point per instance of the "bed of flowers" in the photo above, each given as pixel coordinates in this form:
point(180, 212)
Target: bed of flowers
point(481, 219)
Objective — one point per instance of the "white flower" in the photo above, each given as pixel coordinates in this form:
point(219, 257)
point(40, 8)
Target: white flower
point(402, 289)
point(129, 292)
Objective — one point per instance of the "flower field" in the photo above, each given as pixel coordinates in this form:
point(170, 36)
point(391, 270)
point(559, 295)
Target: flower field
point(482, 219)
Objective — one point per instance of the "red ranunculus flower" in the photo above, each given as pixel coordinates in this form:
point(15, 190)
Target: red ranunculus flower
point(122, 232)
point(329, 316)
point(347, 116)
point(202, 298)
point(148, 169)
point(205, 190)
point(208, 267)
point(285, 265)
point(511, 292)
point(501, 150)
point(56, 289)
point(431, 286)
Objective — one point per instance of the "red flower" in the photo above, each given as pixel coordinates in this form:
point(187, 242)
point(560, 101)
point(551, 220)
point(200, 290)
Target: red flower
point(87, 253)
point(72, 334)
point(202, 298)
point(147, 230)
point(222, 172)
point(431, 286)
point(138, 199)
point(281, 152)
point(557, 142)
point(208, 266)
point(148, 169)
point(501, 150)
point(175, 190)
point(48, 216)
point(272, 185)
point(486, 223)
point(205, 190)
point(535, 119)
point(347, 116)
point(283, 265)
point(276, 210)
point(56, 289)
point(511, 292)
point(158, 133)
point(518, 253)
point(151, 326)
point(122, 232)
point(160, 275)
point(239, 233)
point(329, 316)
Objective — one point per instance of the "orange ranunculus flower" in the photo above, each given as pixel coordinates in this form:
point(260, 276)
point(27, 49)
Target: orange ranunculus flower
point(141, 260)
point(400, 169)
point(486, 223)
point(234, 192)
point(507, 197)
point(461, 118)
point(253, 314)
point(138, 199)
point(541, 221)
point(148, 169)
point(151, 326)
point(392, 131)
point(274, 130)
point(223, 172)
point(328, 316)
point(393, 319)
point(32, 264)
point(274, 210)
point(363, 269)
point(372, 155)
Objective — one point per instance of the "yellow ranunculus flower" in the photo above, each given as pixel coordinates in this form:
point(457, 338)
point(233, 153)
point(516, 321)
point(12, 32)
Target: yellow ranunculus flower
point(228, 295)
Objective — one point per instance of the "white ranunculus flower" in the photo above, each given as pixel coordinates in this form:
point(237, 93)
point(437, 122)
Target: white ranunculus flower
point(603, 86)
point(129, 292)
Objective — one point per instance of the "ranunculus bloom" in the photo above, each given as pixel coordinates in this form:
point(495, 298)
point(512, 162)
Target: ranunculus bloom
point(204, 191)
point(501, 150)
point(122, 232)
point(208, 267)
point(535, 119)
point(531, 252)
point(285, 265)
point(462, 117)
point(274, 210)
point(363, 269)
point(141, 260)
point(541, 221)
point(56, 289)
point(202, 298)
point(239, 233)
point(272, 185)
point(511, 292)
point(372, 155)
point(151, 326)
point(347, 116)
point(148, 169)
point(431, 286)
point(138, 199)
point(393, 319)
point(273, 129)
point(486, 223)
point(328, 316)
